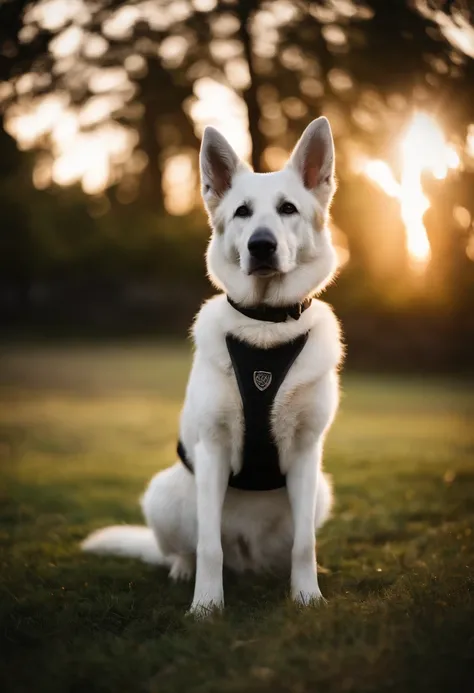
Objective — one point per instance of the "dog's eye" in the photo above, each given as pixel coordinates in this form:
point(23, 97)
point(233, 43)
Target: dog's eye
point(287, 208)
point(243, 212)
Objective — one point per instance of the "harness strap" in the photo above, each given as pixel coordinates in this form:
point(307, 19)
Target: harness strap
point(183, 457)
point(259, 374)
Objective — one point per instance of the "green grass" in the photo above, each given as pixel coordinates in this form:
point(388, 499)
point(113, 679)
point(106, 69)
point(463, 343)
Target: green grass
point(84, 428)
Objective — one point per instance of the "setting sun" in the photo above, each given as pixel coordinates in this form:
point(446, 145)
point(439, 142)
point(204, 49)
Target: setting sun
point(423, 148)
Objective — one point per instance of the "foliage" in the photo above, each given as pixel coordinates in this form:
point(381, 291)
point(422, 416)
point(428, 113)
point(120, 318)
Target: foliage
point(131, 62)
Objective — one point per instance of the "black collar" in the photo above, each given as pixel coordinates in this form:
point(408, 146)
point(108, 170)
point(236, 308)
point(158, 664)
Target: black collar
point(272, 313)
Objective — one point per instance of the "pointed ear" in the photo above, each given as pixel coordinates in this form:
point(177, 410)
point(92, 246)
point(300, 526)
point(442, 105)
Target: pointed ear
point(313, 157)
point(218, 163)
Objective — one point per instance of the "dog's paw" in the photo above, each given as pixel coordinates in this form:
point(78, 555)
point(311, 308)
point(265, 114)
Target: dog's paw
point(308, 597)
point(305, 589)
point(182, 568)
point(202, 610)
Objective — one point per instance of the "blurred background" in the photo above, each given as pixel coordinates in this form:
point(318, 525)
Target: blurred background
point(103, 103)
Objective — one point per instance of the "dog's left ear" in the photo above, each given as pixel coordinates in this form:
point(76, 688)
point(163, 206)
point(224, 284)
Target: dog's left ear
point(218, 163)
point(313, 159)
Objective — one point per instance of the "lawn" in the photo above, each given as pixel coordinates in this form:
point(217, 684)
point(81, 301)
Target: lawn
point(82, 430)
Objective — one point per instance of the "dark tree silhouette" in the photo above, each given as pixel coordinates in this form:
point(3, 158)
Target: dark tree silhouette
point(113, 43)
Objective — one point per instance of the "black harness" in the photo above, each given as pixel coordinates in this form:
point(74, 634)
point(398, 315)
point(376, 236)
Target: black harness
point(259, 374)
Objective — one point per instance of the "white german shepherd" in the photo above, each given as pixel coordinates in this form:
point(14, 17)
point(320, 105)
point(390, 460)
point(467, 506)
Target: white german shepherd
point(270, 251)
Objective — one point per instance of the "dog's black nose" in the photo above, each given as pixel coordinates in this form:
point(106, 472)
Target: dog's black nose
point(262, 244)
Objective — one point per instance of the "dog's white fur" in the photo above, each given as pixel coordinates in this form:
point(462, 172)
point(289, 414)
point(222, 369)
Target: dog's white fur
point(196, 521)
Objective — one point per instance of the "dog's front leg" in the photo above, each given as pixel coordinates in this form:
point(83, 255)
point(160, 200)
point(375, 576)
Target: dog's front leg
point(212, 477)
point(302, 479)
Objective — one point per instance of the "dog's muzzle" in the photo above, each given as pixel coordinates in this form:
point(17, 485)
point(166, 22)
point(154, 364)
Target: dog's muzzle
point(262, 247)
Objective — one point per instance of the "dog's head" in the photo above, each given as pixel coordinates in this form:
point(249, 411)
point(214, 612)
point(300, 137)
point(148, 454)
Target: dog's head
point(270, 242)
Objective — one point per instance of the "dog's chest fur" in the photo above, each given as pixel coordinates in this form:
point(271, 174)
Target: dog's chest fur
point(213, 404)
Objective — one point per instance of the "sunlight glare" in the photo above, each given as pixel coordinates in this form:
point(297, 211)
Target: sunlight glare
point(237, 72)
point(64, 130)
point(28, 125)
point(204, 5)
point(381, 173)
point(423, 148)
point(52, 15)
point(67, 42)
point(94, 46)
point(120, 24)
point(179, 184)
point(107, 79)
point(173, 50)
point(90, 158)
point(454, 25)
point(218, 105)
point(98, 108)
point(470, 141)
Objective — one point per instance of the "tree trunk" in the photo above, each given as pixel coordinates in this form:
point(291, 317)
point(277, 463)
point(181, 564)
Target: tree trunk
point(250, 94)
point(152, 177)
point(152, 184)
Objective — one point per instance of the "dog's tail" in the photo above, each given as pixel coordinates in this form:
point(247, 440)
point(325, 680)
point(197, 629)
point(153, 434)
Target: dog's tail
point(130, 541)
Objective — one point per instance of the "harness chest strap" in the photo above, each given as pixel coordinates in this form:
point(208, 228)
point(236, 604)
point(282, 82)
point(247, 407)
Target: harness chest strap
point(259, 374)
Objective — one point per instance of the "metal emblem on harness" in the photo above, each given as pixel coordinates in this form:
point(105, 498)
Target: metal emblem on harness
point(262, 379)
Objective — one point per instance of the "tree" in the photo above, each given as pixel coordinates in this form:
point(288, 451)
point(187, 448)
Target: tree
point(112, 64)
point(135, 65)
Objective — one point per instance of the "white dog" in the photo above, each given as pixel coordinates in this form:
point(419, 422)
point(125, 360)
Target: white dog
point(270, 252)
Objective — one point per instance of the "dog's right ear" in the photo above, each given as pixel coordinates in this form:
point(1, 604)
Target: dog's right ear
point(313, 159)
point(218, 163)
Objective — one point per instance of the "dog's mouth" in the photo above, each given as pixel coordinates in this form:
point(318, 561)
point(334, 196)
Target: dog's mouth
point(259, 268)
point(263, 272)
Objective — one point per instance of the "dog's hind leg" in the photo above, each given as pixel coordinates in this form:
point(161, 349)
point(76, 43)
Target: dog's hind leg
point(183, 567)
point(169, 507)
